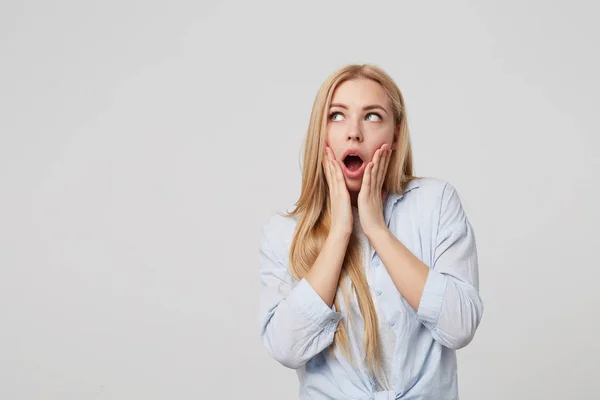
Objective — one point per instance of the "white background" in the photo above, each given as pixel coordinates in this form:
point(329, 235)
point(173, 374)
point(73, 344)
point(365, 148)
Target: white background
point(143, 144)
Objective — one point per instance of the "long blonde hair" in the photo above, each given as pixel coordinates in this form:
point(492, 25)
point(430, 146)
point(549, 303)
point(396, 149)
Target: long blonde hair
point(313, 208)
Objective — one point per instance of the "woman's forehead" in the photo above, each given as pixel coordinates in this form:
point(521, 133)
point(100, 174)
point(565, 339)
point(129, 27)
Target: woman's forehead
point(360, 92)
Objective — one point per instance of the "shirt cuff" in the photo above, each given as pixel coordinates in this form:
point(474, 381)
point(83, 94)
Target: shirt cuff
point(305, 301)
point(432, 298)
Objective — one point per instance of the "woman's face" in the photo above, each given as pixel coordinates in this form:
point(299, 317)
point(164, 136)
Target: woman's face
point(360, 121)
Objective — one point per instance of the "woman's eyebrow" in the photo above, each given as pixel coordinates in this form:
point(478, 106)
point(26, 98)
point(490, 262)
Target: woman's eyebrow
point(365, 108)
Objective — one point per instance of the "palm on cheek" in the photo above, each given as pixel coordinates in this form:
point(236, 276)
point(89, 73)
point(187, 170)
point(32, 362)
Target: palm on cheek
point(370, 197)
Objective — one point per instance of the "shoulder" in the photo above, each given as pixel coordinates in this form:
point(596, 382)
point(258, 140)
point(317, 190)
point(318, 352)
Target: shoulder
point(431, 197)
point(278, 224)
point(276, 233)
point(444, 204)
point(432, 190)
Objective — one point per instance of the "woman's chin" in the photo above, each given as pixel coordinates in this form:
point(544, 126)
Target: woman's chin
point(354, 185)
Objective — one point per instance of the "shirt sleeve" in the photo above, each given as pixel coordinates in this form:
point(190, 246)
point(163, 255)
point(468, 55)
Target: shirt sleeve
point(295, 323)
point(451, 307)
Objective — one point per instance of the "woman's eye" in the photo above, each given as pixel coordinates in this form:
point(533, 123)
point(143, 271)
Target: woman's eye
point(377, 116)
point(333, 116)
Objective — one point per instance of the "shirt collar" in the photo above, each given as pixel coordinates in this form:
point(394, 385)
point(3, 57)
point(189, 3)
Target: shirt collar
point(392, 198)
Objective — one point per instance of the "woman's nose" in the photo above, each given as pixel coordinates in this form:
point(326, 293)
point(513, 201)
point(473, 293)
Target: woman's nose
point(354, 132)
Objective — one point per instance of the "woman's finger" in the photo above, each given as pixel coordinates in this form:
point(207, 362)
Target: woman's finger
point(327, 168)
point(387, 161)
point(375, 168)
point(366, 183)
point(330, 154)
point(338, 173)
point(331, 161)
point(382, 166)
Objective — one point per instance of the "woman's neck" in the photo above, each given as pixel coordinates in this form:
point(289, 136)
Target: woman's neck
point(354, 199)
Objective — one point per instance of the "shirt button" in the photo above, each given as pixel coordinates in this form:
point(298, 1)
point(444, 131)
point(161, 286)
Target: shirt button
point(379, 292)
point(392, 323)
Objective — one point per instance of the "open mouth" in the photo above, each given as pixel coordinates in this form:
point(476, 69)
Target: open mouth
point(353, 162)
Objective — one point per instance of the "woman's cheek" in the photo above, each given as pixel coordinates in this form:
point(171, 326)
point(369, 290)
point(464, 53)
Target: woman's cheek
point(336, 130)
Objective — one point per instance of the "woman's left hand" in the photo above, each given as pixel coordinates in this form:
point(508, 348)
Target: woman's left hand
point(371, 195)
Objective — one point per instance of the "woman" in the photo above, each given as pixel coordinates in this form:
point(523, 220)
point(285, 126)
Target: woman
point(370, 284)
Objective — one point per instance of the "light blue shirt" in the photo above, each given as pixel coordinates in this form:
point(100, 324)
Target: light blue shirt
point(297, 326)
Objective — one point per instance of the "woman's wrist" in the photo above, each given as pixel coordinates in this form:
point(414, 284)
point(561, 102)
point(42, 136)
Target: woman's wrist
point(339, 235)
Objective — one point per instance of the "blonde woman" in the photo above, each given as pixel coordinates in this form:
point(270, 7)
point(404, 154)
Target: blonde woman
point(369, 284)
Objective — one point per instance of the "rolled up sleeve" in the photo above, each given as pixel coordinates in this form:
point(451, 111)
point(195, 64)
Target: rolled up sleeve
point(295, 323)
point(450, 305)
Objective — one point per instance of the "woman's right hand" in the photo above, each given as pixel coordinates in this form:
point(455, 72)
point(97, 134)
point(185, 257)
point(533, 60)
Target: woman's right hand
point(341, 207)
